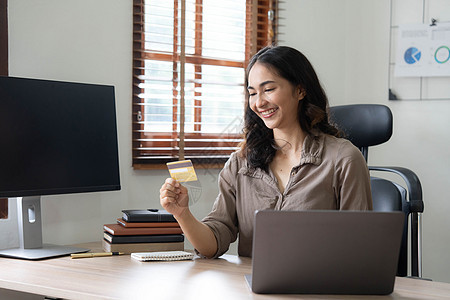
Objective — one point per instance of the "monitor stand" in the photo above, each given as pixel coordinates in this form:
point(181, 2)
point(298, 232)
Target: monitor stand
point(30, 234)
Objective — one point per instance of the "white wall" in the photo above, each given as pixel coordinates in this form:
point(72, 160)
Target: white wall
point(87, 41)
point(347, 42)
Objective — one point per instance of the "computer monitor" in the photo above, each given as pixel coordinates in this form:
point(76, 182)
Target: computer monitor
point(55, 138)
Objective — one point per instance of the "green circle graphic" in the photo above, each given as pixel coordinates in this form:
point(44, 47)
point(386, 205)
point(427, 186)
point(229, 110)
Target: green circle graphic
point(442, 61)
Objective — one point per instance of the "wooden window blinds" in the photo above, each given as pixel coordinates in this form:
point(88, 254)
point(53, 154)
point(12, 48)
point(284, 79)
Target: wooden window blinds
point(189, 59)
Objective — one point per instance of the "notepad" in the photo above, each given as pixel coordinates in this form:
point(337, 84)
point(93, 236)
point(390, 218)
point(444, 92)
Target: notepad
point(162, 256)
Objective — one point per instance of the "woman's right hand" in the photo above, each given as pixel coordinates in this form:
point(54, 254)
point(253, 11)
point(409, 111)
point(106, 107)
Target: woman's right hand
point(174, 197)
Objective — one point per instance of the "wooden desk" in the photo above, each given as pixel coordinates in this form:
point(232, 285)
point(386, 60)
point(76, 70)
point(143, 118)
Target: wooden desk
point(120, 277)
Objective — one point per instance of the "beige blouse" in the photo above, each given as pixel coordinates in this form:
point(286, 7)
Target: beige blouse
point(331, 174)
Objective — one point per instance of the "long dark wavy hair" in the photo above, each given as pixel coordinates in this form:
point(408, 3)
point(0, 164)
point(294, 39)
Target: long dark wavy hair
point(259, 146)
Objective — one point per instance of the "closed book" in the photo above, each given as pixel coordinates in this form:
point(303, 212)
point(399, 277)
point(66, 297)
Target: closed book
point(142, 247)
point(147, 224)
point(147, 215)
point(124, 239)
point(116, 229)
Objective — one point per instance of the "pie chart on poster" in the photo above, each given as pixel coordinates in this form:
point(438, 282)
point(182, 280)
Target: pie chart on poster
point(412, 55)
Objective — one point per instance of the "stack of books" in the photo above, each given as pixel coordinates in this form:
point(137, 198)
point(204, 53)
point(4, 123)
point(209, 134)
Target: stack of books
point(144, 230)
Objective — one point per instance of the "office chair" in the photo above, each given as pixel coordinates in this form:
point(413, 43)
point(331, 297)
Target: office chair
point(368, 125)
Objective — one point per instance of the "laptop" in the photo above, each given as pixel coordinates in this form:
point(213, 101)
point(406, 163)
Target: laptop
point(325, 252)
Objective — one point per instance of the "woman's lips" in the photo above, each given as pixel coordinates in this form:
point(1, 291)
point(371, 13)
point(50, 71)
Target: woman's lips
point(268, 113)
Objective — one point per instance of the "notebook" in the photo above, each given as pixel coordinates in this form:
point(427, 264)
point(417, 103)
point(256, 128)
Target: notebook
point(325, 252)
point(162, 256)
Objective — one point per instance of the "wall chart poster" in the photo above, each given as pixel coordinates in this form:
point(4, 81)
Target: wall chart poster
point(423, 50)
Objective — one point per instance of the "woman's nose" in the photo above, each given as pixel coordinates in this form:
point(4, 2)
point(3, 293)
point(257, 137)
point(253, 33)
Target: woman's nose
point(260, 100)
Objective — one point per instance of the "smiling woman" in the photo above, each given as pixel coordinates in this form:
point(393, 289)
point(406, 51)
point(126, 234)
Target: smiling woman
point(273, 98)
point(292, 158)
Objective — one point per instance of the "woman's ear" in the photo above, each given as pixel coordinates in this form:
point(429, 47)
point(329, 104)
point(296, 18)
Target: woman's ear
point(301, 93)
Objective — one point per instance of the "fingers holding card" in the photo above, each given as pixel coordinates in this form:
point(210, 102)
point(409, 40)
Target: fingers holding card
point(183, 171)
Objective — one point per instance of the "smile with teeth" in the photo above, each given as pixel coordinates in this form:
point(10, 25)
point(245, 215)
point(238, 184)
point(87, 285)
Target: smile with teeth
point(268, 113)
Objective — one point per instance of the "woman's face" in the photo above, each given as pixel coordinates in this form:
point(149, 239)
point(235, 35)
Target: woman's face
point(274, 99)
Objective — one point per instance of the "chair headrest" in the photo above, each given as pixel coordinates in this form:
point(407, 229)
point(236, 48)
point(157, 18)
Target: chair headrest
point(363, 124)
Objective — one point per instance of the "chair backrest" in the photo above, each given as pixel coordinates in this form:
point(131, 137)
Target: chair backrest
point(369, 125)
point(363, 124)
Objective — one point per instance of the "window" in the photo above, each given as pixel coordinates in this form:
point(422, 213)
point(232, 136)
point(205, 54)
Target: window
point(189, 59)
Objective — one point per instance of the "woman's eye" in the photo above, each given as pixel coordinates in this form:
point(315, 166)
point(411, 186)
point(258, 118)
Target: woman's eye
point(269, 90)
point(252, 94)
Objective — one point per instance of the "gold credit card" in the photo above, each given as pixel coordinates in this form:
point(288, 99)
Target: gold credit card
point(182, 171)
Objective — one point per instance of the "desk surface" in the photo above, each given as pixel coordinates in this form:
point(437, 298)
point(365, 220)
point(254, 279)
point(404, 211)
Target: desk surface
point(121, 277)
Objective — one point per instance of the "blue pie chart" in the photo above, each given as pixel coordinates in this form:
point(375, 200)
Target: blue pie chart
point(412, 55)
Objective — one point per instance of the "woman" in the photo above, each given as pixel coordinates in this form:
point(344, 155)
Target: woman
point(291, 158)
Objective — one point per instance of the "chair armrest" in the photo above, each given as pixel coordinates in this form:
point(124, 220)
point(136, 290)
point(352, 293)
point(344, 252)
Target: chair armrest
point(416, 206)
point(413, 185)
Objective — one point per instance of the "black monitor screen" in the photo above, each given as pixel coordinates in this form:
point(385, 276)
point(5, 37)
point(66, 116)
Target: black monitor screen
point(57, 138)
